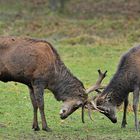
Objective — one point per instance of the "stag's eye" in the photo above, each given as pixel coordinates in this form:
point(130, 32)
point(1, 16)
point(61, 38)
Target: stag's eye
point(75, 106)
point(107, 111)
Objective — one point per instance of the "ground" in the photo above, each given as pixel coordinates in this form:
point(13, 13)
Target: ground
point(88, 36)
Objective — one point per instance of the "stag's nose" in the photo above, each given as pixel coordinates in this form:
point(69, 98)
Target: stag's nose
point(114, 120)
point(62, 113)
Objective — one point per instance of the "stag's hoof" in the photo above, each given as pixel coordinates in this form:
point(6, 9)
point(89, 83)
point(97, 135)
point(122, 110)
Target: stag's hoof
point(36, 128)
point(123, 124)
point(47, 129)
point(136, 129)
point(139, 125)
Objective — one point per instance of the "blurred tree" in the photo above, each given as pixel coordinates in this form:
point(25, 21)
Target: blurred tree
point(62, 5)
point(57, 4)
point(36, 2)
point(53, 5)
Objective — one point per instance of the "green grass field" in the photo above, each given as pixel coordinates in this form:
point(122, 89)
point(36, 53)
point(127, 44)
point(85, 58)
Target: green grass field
point(85, 45)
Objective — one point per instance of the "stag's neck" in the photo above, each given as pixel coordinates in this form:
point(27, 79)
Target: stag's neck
point(63, 84)
point(118, 88)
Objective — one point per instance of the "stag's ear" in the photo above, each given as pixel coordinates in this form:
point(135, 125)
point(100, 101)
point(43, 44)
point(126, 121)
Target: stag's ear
point(100, 100)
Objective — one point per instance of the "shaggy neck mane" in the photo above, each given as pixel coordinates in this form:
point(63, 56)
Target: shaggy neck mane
point(62, 83)
point(117, 90)
point(121, 83)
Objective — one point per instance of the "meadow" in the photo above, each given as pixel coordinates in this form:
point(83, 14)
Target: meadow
point(85, 44)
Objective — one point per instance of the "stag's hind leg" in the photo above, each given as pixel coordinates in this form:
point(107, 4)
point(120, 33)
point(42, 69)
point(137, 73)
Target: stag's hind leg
point(35, 108)
point(38, 92)
point(135, 106)
point(124, 122)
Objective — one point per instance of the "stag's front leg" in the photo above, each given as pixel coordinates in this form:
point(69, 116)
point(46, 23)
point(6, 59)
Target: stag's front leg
point(35, 108)
point(38, 92)
point(124, 113)
point(135, 106)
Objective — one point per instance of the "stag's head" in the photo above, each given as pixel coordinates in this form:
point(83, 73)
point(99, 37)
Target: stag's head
point(82, 100)
point(105, 104)
point(102, 102)
point(76, 99)
point(72, 104)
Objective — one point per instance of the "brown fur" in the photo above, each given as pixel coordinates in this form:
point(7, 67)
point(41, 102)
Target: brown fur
point(31, 60)
point(37, 64)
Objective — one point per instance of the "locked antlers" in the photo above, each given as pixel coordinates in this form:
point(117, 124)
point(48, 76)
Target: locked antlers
point(96, 88)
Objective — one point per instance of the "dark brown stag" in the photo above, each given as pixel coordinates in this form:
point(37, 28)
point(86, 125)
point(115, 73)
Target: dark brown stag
point(125, 80)
point(37, 64)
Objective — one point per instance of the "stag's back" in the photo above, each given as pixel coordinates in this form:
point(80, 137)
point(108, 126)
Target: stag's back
point(129, 66)
point(22, 59)
point(132, 57)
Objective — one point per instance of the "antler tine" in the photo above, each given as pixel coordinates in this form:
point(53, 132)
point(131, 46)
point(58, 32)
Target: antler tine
point(98, 83)
point(96, 88)
point(100, 72)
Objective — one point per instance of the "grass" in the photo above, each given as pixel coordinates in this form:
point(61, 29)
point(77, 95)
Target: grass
point(16, 109)
point(16, 120)
point(85, 45)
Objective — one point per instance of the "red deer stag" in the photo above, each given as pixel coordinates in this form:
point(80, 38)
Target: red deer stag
point(37, 64)
point(125, 80)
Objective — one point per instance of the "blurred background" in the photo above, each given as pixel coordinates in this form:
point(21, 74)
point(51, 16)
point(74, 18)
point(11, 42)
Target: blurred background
point(89, 35)
point(72, 21)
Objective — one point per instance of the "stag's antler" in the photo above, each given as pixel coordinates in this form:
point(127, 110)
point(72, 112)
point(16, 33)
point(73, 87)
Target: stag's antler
point(97, 85)
point(96, 88)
